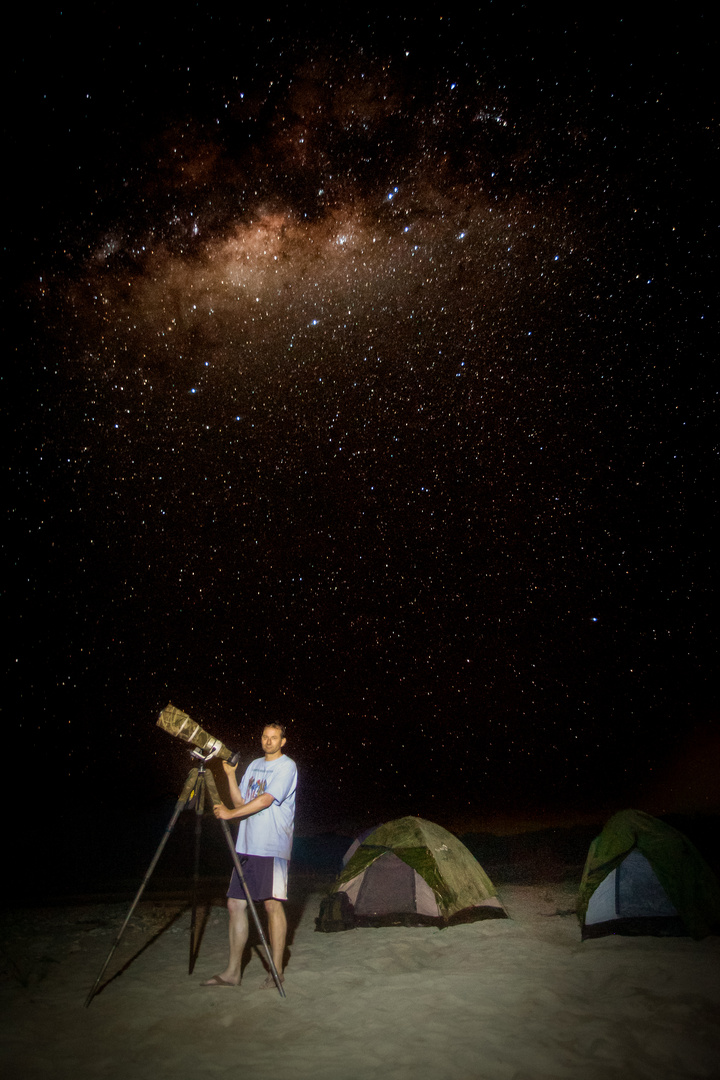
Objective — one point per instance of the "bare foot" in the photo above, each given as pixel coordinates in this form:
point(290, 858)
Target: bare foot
point(217, 980)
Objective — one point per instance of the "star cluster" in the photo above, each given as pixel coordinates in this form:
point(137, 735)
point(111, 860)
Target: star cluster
point(369, 389)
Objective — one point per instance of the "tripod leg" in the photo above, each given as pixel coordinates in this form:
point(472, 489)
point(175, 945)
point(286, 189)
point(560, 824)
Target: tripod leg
point(199, 810)
point(251, 906)
point(179, 806)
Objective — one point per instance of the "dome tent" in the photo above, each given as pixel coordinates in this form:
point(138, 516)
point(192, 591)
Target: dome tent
point(642, 876)
point(409, 872)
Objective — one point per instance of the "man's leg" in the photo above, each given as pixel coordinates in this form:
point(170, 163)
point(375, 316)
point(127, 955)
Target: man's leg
point(277, 926)
point(238, 935)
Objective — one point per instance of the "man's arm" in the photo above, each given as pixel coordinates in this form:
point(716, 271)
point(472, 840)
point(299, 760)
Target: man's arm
point(260, 802)
point(235, 796)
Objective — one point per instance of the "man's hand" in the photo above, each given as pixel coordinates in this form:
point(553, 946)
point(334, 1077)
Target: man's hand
point(230, 770)
point(222, 813)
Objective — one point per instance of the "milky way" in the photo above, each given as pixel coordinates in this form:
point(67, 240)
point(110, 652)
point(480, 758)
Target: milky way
point(372, 395)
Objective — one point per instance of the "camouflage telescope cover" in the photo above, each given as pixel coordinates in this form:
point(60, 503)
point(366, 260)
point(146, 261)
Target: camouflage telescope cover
point(179, 724)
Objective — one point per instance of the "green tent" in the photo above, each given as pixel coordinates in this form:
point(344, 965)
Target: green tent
point(645, 877)
point(409, 872)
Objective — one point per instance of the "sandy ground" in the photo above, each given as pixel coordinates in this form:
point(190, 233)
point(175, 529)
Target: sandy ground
point(517, 999)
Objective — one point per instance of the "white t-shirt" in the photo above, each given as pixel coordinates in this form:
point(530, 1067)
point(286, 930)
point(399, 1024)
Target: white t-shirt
point(269, 832)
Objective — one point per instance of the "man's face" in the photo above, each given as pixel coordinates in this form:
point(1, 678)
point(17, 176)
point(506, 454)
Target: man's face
point(272, 742)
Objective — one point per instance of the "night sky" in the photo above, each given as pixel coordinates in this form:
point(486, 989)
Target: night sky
point(362, 375)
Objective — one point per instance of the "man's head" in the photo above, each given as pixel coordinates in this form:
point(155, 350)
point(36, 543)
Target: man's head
point(273, 740)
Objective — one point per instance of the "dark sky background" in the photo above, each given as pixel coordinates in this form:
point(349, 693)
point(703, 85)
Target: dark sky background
point(364, 376)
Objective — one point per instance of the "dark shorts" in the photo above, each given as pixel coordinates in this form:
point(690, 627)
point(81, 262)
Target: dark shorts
point(261, 877)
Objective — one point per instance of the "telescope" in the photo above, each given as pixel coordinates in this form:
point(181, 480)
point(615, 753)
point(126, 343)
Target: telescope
point(179, 724)
point(198, 782)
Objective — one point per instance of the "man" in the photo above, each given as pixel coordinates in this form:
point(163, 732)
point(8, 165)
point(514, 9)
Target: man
point(265, 806)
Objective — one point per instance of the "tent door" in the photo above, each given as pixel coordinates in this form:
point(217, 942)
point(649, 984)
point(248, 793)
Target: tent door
point(630, 891)
point(388, 886)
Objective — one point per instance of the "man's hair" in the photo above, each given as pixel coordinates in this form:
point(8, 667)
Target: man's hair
point(278, 725)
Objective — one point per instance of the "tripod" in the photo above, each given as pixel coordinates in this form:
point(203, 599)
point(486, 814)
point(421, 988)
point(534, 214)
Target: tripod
point(198, 781)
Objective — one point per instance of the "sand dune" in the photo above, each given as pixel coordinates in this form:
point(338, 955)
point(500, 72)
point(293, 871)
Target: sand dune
point(517, 999)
